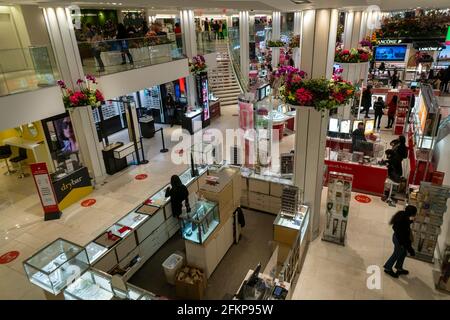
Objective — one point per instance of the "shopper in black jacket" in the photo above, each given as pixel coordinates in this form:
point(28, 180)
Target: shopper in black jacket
point(123, 36)
point(401, 238)
point(378, 107)
point(366, 100)
point(400, 148)
point(178, 193)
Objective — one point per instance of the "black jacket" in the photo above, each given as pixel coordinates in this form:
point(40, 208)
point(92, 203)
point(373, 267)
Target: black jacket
point(366, 100)
point(357, 135)
point(378, 106)
point(402, 231)
point(177, 195)
point(401, 151)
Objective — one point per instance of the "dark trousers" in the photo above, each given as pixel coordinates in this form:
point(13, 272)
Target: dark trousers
point(390, 121)
point(378, 118)
point(125, 51)
point(96, 53)
point(397, 257)
point(366, 110)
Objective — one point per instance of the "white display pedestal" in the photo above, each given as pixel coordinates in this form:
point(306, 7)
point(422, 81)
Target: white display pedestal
point(353, 72)
point(88, 142)
point(275, 57)
point(310, 139)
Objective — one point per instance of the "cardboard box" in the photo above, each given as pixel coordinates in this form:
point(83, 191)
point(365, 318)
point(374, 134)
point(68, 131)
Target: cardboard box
point(190, 291)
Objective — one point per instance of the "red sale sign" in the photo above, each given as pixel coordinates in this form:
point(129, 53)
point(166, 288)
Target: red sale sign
point(45, 190)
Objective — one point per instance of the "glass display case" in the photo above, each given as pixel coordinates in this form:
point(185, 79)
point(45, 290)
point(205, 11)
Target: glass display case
point(112, 235)
point(53, 267)
point(133, 220)
point(95, 251)
point(203, 154)
point(200, 223)
point(92, 285)
point(159, 199)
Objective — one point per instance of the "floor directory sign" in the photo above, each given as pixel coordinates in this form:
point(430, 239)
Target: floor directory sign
point(45, 190)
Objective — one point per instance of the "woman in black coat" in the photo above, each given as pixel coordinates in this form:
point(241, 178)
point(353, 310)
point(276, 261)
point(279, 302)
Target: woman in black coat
point(178, 193)
point(401, 224)
point(366, 100)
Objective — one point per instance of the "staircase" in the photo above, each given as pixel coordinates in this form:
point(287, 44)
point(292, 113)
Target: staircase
point(222, 80)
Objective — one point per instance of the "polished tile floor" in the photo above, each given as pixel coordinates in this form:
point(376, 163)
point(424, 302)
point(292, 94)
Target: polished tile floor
point(330, 271)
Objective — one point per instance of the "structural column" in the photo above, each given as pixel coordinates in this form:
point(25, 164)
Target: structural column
point(64, 44)
point(297, 31)
point(244, 44)
point(62, 36)
point(189, 37)
point(276, 34)
point(318, 43)
point(352, 29)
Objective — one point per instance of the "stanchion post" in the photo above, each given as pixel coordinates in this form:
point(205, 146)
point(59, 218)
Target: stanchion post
point(164, 149)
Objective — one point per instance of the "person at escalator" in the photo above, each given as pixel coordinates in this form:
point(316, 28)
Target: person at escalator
point(178, 194)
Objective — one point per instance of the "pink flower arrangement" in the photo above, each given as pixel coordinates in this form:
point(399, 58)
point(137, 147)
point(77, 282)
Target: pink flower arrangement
point(322, 94)
point(86, 95)
point(353, 55)
point(197, 64)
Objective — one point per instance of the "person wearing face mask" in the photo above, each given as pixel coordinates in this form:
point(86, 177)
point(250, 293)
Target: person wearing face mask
point(401, 224)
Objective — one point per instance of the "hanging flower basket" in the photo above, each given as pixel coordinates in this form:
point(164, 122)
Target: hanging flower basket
point(197, 65)
point(321, 94)
point(353, 55)
point(87, 95)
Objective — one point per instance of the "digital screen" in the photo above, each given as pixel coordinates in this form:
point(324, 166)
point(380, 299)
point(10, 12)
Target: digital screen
point(444, 55)
point(390, 53)
point(370, 124)
point(333, 125)
point(205, 95)
point(345, 126)
point(447, 38)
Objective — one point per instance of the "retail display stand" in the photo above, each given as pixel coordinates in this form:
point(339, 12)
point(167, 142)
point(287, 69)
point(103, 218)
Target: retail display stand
point(431, 203)
point(401, 113)
point(338, 207)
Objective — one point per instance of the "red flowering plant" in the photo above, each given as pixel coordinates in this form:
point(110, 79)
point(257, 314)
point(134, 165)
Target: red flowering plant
point(197, 64)
point(86, 95)
point(353, 55)
point(322, 94)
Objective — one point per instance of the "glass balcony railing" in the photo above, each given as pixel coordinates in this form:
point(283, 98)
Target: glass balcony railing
point(117, 55)
point(207, 42)
point(25, 69)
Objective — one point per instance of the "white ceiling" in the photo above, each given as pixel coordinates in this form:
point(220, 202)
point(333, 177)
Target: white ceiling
point(257, 5)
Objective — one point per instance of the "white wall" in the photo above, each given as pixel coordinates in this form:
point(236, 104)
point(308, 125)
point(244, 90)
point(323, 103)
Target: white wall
point(35, 25)
point(122, 83)
point(21, 108)
point(443, 150)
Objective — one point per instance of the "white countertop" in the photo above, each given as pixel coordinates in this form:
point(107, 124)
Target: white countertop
point(22, 143)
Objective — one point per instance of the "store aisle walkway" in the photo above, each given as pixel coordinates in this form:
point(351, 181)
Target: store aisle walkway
point(331, 271)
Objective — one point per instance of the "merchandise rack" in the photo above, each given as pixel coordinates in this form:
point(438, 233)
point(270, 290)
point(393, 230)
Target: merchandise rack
point(401, 113)
point(431, 206)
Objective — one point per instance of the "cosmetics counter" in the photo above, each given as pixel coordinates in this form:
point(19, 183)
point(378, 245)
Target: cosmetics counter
point(192, 120)
point(208, 229)
point(119, 251)
point(368, 176)
point(262, 192)
point(291, 235)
